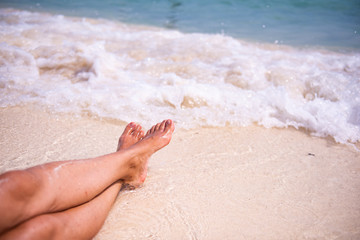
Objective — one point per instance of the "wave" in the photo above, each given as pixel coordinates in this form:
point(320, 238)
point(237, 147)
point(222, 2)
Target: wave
point(138, 73)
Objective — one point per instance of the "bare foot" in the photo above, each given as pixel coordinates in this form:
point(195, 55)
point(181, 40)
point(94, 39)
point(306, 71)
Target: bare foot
point(132, 134)
point(156, 138)
point(159, 135)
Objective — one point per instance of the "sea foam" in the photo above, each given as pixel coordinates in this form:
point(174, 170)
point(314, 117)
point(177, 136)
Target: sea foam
point(136, 73)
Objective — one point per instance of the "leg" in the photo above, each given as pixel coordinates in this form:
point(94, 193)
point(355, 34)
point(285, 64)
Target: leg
point(40, 189)
point(81, 222)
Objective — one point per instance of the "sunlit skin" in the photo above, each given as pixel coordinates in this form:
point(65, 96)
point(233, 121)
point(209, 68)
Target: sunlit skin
point(71, 199)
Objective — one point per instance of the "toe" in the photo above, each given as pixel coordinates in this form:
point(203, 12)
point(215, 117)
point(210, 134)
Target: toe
point(162, 126)
point(138, 132)
point(134, 129)
point(157, 127)
point(137, 129)
point(129, 128)
point(169, 125)
point(141, 134)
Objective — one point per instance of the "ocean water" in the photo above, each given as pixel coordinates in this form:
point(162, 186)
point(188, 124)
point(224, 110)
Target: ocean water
point(330, 23)
point(223, 63)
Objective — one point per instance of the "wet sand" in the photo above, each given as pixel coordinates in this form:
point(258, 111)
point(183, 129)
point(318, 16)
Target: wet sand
point(209, 183)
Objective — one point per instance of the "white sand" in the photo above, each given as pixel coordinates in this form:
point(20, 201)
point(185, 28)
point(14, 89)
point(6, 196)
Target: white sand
point(209, 183)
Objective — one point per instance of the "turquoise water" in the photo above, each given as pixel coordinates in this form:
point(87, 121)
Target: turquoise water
point(329, 23)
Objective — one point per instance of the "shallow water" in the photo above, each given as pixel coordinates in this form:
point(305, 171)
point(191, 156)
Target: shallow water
point(136, 73)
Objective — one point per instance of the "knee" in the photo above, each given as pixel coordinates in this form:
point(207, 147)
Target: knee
point(41, 227)
point(20, 184)
point(17, 187)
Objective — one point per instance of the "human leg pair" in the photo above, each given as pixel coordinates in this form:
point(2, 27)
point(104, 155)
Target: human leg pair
point(53, 195)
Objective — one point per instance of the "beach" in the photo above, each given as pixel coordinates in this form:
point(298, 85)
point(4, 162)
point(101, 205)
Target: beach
point(264, 97)
point(210, 182)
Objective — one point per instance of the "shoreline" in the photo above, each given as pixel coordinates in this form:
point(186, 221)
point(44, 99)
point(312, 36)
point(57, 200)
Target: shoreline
point(176, 76)
point(209, 183)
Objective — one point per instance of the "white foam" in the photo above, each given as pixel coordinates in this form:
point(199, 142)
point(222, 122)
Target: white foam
point(135, 73)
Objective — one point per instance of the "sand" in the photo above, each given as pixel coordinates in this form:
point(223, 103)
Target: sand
point(209, 183)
